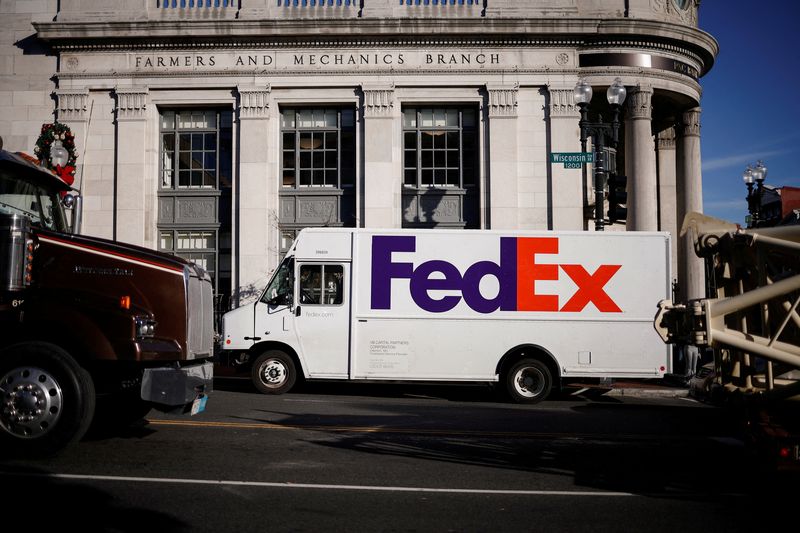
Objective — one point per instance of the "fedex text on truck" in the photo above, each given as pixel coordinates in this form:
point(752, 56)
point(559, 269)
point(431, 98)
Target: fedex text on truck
point(517, 274)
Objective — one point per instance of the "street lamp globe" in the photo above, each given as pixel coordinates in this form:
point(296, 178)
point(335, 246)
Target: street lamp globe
point(760, 172)
point(748, 176)
point(582, 92)
point(58, 154)
point(616, 93)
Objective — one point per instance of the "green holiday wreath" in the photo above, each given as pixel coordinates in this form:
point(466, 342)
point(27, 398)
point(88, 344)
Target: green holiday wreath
point(49, 134)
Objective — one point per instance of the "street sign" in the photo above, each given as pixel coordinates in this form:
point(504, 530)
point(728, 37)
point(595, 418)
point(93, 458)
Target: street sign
point(572, 159)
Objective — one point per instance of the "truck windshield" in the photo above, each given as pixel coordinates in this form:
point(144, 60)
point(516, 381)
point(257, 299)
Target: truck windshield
point(40, 205)
point(280, 288)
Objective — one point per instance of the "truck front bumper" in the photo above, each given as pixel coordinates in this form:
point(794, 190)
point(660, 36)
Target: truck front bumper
point(177, 386)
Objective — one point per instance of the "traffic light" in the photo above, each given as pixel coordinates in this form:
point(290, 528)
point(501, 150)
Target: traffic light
point(617, 198)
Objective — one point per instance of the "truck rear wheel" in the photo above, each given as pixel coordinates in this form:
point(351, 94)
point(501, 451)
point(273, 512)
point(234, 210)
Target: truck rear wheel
point(274, 372)
point(529, 381)
point(47, 399)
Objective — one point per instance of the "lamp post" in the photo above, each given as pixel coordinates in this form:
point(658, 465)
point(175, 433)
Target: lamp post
point(755, 175)
point(601, 133)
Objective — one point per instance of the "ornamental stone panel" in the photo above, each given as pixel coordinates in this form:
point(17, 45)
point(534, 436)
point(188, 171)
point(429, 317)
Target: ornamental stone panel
point(503, 101)
point(378, 102)
point(72, 104)
point(254, 102)
point(131, 103)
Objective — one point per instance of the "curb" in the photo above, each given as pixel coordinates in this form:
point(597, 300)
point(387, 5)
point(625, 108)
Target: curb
point(649, 393)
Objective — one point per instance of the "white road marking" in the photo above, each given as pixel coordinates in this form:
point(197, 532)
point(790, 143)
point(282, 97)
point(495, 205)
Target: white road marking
point(289, 485)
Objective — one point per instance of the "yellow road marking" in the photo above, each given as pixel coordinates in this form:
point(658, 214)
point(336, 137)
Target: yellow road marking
point(406, 431)
point(339, 429)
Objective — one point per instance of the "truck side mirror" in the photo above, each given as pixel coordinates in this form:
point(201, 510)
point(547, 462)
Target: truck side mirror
point(281, 299)
point(73, 202)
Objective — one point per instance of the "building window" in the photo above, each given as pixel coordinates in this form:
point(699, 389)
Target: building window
point(197, 4)
point(199, 247)
point(318, 148)
point(195, 177)
point(318, 3)
point(318, 169)
point(440, 2)
point(439, 147)
point(440, 167)
point(190, 148)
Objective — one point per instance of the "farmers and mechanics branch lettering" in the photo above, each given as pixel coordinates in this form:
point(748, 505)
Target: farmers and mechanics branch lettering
point(290, 60)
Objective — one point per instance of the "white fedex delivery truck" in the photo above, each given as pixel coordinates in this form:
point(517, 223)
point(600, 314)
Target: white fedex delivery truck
point(527, 309)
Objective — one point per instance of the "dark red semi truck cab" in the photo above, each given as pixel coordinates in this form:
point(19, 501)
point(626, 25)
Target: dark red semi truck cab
point(92, 329)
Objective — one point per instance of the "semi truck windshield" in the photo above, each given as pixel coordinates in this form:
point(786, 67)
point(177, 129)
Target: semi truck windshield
point(41, 206)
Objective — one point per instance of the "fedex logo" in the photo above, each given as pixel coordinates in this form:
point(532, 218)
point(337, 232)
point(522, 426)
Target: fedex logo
point(517, 273)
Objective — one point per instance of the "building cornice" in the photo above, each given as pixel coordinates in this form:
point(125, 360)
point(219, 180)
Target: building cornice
point(388, 32)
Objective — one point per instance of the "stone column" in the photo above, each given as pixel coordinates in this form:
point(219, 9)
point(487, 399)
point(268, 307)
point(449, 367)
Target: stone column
point(255, 193)
point(72, 111)
point(131, 220)
point(503, 155)
point(567, 189)
point(691, 271)
point(640, 161)
point(667, 193)
point(383, 166)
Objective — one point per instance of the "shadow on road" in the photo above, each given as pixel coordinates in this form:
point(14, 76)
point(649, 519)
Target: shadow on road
point(69, 503)
point(664, 451)
point(457, 392)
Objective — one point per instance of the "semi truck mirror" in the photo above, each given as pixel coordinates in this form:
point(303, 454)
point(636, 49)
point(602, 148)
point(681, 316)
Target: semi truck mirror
point(68, 201)
point(73, 203)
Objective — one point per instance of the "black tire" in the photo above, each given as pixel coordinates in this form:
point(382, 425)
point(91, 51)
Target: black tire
point(273, 372)
point(48, 399)
point(528, 381)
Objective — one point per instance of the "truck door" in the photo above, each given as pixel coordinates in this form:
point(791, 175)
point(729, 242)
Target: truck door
point(322, 317)
point(273, 311)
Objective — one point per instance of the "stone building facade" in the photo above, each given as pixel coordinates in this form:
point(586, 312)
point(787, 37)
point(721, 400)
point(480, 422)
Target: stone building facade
point(216, 129)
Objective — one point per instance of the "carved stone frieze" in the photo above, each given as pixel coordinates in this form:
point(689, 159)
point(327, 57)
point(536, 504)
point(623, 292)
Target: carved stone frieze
point(317, 210)
point(438, 208)
point(131, 103)
point(166, 210)
point(254, 102)
point(562, 103)
point(378, 102)
point(196, 210)
point(72, 104)
point(503, 101)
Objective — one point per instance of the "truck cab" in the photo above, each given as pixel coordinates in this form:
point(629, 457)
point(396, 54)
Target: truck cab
point(93, 329)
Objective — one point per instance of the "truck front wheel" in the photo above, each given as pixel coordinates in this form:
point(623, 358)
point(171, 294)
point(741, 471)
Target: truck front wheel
point(47, 399)
point(273, 372)
point(529, 381)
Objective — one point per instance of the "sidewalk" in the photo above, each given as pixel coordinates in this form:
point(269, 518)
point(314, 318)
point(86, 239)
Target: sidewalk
point(669, 387)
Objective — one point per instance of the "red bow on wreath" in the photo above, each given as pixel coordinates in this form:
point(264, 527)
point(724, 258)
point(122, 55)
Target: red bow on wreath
point(67, 174)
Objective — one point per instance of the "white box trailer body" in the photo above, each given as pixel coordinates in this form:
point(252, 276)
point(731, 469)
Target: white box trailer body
point(459, 305)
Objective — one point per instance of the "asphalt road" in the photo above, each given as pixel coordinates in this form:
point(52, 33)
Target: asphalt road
point(400, 458)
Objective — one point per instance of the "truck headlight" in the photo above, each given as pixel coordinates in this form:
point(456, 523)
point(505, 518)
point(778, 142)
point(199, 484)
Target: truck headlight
point(145, 327)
